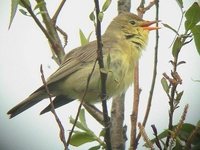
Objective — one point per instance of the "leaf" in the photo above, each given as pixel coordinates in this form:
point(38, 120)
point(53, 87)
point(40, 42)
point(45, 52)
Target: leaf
point(100, 16)
point(26, 1)
point(179, 96)
point(40, 4)
point(184, 133)
point(176, 46)
point(180, 3)
point(23, 12)
point(95, 147)
point(169, 27)
point(92, 16)
point(82, 118)
point(192, 16)
point(88, 38)
point(102, 133)
point(41, 12)
point(165, 85)
point(83, 39)
point(78, 124)
point(14, 5)
point(80, 138)
point(196, 34)
point(106, 5)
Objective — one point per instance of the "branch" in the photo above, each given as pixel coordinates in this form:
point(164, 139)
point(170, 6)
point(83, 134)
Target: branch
point(124, 5)
point(118, 132)
point(57, 49)
point(141, 9)
point(103, 77)
point(134, 115)
point(55, 16)
point(62, 131)
point(154, 73)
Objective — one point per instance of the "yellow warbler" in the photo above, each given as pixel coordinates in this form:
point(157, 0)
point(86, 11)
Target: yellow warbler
point(123, 42)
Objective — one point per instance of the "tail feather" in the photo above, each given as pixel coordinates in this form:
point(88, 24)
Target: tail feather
point(57, 102)
point(33, 99)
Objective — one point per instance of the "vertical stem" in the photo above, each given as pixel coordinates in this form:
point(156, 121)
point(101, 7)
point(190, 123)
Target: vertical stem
point(134, 115)
point(103, 78)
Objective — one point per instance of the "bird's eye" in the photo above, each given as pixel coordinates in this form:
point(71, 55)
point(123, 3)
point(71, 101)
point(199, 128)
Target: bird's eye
point(132, 22)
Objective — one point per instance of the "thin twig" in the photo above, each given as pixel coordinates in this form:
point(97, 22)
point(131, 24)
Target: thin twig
point(154, 73)
point(65, 36)
point(141, 9)
point(145, 137)
point(55, 16)
point(62, 131)
point(81, 103)
point(156, 137)
point(103, 77)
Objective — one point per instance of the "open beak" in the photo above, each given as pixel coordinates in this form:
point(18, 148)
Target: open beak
point(146, 25)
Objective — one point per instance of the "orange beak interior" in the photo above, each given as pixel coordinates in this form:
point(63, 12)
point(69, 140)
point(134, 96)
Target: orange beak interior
point(146, 25)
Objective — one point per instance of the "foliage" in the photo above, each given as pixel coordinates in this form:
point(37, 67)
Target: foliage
point(85, 135)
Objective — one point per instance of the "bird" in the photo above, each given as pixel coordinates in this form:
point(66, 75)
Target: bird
point(123, 42)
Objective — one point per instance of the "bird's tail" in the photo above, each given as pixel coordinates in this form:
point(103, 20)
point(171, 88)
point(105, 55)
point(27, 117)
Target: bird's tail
point(33, 99)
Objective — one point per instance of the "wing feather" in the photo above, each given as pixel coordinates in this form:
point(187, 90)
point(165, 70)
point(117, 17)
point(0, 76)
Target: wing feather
point(74, 60)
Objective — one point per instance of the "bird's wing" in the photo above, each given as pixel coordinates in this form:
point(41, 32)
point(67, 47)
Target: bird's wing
point(74, 60)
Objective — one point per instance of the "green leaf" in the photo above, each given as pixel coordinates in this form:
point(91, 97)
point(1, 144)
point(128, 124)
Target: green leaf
point(40, 4)
point(100, 16)
point(23, 12)
point(165, 85)
point(80, 138)
point(14, 5)
point(176, 46)
point(196, 34)
point(83, 39)
point(82, 118)
point(88, 38)
point(180, 3)
point(192, 16)
point(169, 27)
point(95, 147)
point(26, 1)
point(106, 5)
point(179, 96)
point(41, 12)
point(184, 133)
point(102, 133)
point(92, 16)
point(78, 124)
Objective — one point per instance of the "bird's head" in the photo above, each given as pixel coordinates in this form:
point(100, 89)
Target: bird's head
point(130, 24)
